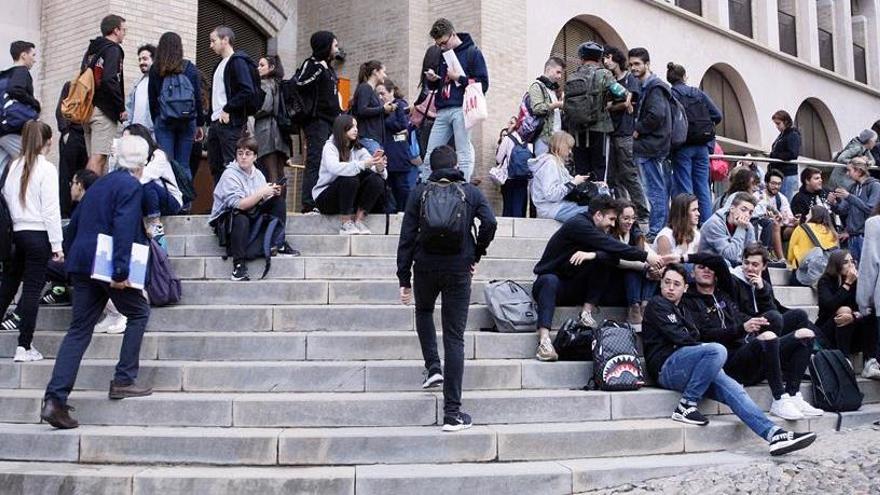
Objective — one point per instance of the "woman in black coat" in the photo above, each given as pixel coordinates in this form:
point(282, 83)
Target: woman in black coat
point(787, 146)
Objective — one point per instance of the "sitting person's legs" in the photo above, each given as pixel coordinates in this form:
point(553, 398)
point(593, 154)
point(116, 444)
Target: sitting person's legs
point(691, 370)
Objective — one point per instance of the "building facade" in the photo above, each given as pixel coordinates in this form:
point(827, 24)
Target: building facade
point(817, 59)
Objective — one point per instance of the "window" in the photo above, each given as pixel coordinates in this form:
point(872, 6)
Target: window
point(572, 35)
point(855, 7)
point(814, 137)
point(248, 37)
point(694, 6)
point(740, 16)
point(826, 49)
point(716, 85)
point(860, 64)
point(787, 34)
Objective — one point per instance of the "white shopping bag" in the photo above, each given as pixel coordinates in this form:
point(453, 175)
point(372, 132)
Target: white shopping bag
point(474, 106)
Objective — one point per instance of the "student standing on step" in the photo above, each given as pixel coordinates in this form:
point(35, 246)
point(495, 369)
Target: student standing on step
point(112, 207)
point(274, 146)
point(20, 87)
point(679, 361)
point(138, 104)
point(72, 155)
point(444, 254)
point(31, 193)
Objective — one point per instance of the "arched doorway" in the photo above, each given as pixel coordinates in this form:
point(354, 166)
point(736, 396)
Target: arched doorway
point(570, 37)
point(248, 36)
point(718, 87)
point(815, 142)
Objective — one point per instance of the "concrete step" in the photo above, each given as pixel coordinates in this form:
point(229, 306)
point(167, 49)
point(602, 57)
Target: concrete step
point(357, 245)
point(329, 225)
point(340, 409)
point(304, 376)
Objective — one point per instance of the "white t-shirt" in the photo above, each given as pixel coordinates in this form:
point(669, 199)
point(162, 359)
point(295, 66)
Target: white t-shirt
point(557, 113)
point(218, 90)
point(141, 108)
point(679, 249)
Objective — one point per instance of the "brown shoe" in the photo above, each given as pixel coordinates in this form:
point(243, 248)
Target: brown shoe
point(57, 415)
point(126, 391)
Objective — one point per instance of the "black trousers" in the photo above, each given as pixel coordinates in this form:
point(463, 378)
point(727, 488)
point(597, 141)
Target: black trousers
point(345, 195)
point(860, 335)
point(317, 132)
point(590, 160)
point(241, 226)
point(221, 146)
point(72, 157)
point(586, 286)
point(782, 362)
point(28, 269)
point(455, 288)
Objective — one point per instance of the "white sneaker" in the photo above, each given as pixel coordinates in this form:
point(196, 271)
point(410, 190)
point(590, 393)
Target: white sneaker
point(805, 406)
point(112, 323)
point(362, 227)
point(349, 228)
point(786, 408)
point(23, 355)
point(587, 319)
point(871, 369)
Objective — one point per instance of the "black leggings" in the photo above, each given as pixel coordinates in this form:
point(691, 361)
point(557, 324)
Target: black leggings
point(28, 269)
point(860, 335)
point(241, 226)
point(785, 358)
point(345, 195)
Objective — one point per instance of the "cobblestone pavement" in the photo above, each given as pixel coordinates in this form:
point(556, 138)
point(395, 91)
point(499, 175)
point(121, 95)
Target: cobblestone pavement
point(846, 462)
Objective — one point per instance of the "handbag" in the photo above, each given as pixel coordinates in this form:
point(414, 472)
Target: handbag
point(474, 105)
point(424, 109)
point(574, 341)
point(583, 193)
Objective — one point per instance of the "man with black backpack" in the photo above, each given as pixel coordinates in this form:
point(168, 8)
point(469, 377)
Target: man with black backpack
point(437, 243)
point(19, 86)
point(585, 109)
point(690, 162)
point(543, 106)
point(235, 94)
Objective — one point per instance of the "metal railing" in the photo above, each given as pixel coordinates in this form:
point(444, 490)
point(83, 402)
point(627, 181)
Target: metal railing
point(807, 162)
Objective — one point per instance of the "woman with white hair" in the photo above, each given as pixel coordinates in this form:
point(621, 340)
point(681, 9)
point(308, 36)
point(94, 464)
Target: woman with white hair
point(113, 208)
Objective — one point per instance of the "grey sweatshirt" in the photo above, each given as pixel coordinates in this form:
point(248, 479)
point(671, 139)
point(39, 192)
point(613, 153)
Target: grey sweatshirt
point(868, 288)
point(715, 238)
point(234, 186)
point(857, 207)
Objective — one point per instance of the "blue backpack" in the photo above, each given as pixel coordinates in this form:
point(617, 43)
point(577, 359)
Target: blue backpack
point(177, 99)
point(518, 162)
point(13, 113)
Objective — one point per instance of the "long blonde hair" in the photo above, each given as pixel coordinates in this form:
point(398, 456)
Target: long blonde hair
point(34, 137)
point(559, 139)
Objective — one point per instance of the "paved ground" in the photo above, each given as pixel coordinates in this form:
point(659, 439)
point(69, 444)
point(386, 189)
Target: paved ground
point(847, 462)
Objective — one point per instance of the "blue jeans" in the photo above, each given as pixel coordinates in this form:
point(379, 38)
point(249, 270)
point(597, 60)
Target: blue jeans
point(855, 246)
point(176, 140)
point(402, 183)
point(656, 178)
point(450, 124)
point(690, 174)
point(637, 287)
point(91, 297)
point(371, 145)
point(568, 210)
point(790, 185)
point(697, 371)
point(158, 201)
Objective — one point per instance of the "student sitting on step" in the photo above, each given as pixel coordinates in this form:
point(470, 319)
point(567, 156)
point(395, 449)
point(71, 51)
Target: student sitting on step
point(576, 261)
point(638, 279)
point(730, 229)
point(679, 360)
point(243, 206)
point(754, 352)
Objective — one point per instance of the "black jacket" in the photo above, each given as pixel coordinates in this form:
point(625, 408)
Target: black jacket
point(665, 329)
point(832, 296)
point(803, 200)
point(239, 87)
point(107, 58)
point(787, 146)
point(370, 113)
point(753, 302)
point(580, 234)
point(319, 84)
point(718, 316)
point(409, 249)
point(21, 86)
point(654, 120)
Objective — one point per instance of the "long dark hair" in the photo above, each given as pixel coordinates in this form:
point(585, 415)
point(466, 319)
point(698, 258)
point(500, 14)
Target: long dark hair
point(679, 218)
point(169, 54)
point(742, 181)
point(834, 268)
point(34, 137)
point(341, 126)
point(141, 131)
point(367, 69)
point(393, 89)
point(820, 216)
point(277, 70)
point(618, 226)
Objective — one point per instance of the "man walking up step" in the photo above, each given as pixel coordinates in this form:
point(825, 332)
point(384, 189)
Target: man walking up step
point(437, 235)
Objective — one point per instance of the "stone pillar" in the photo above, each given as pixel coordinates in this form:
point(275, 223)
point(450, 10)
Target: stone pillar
point(766, 29)
point(870, 9)
point(717, 11)
point(807, 31)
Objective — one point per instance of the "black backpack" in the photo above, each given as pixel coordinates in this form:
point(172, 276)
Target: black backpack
point(297, 106)
point(700, 128)
point(574, 341)
point(6, 245)
point(184, 182)
point(835, 388)
point(616, 360)
point(443, 219)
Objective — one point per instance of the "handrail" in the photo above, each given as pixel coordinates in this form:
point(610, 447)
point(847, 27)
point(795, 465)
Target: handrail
point(764, 159)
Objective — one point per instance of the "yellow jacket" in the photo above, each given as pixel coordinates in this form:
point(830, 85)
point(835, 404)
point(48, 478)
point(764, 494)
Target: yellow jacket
point(800, 244)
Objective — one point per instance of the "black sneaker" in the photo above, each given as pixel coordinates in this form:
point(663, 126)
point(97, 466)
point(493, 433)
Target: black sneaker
point(432, 379)
point(784, 442)
point(56, 296)
point(459, 421)
point(689, 415)
point(10, 323)
point(286, 251)
point(239, 273)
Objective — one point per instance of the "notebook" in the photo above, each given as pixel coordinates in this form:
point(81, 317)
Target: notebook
point(137, 267)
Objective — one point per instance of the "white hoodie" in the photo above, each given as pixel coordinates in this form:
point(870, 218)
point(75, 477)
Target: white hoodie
point(550, 183)
point(159, 168)
point(41, 211)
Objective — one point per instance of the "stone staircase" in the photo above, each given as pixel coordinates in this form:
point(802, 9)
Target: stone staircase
point(309, 382)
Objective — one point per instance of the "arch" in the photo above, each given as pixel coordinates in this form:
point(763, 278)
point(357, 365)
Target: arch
point(731, 94)
point(820, 137)
point(250, 36)
point(580, 29)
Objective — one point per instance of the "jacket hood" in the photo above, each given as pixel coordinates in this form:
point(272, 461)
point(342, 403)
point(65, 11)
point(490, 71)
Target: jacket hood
point(739, 274)
point(541, 161)
point(803, 189)
point(243, 55)
point(466, 42)
point(237, 169)
point(652, 82)
point(322, 43)
point(98, 44)
point(450, 174)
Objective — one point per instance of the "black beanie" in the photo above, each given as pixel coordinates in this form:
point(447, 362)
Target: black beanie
point(322, 43)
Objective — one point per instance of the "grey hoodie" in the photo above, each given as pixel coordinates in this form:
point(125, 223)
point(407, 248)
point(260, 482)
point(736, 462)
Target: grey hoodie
point(715, 238)
point(234, 186)
point(857, 207)
point(550, 183)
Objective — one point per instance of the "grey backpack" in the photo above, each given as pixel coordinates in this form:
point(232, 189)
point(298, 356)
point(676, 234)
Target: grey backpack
point(511, 306)
point(813, 265)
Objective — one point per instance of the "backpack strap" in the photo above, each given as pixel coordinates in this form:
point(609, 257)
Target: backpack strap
point(812, 235)
point(5, 174)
